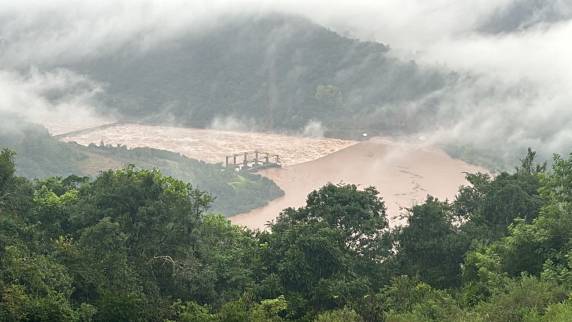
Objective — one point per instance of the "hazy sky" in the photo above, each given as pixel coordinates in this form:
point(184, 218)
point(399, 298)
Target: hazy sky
point(519, 48)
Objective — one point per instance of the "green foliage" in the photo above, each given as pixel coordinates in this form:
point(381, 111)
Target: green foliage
point(121, 245)
point(234, 192)
point(546, 239)
point(529, 166)
point(191, 312)
point(269, 310)
point(560, 312)
point(234, 311)
point(15, 192)
point(342, 315)
point(520, 298)
point(244, 309)
point(482, 275)
point(406, 298)
point(430, 247)
point(40, 155)
point(34, 288)
point(491, 205)
point(357, 216)
point(135, 245)
point(229, 252)
point(326, 254)
point(120, 306)
point(7, 167)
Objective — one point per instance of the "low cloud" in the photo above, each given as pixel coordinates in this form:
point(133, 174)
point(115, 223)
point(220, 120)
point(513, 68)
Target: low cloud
point(232, 123)
point(60, 99)
point(514, 53)
point(314, 129)
point(520, 95)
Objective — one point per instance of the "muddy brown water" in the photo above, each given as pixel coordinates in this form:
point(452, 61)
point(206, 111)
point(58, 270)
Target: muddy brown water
point(404, 173)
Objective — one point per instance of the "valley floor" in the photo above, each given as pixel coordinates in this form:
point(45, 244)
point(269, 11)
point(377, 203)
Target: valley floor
point(210, 145)
point(404, 173)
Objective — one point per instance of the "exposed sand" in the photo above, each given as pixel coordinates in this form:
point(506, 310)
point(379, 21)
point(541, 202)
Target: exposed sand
point(211, 145)
point(403, 173)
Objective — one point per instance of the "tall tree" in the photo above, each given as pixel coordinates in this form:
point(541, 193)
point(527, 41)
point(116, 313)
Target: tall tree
point(430, 247)
point(327, 254)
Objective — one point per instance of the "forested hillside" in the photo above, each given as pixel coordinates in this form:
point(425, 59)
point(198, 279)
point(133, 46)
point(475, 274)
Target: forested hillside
point(135, 245)
point(40, 155)
point(278, 71)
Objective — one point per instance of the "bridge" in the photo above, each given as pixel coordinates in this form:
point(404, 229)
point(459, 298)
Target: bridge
point(252, 160)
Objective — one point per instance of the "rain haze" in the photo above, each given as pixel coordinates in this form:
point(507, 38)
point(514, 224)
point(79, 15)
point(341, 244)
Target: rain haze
point(511, 57)
point(286, 160)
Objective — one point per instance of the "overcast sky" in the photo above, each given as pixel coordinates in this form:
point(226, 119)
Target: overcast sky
point(521, 47)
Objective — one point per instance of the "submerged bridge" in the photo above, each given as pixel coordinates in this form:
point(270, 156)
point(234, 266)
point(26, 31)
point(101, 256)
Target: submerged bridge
point(252, 160)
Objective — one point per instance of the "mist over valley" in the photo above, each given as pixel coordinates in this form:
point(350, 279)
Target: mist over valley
point(249, 160)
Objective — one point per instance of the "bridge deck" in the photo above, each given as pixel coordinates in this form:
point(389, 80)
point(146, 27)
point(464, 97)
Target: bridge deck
point(251, 159)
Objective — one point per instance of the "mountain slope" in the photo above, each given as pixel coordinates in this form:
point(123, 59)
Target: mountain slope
point(278, 71)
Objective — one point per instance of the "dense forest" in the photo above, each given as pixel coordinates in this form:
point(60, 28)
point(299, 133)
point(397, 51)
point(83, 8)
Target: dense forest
point(136, 245)
point(40, 155)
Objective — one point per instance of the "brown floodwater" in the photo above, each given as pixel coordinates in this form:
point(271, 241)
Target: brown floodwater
point(211, 145)
point(404, 172)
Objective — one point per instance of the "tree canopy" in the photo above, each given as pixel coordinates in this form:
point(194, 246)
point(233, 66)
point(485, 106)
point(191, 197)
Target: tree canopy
point(135, 245)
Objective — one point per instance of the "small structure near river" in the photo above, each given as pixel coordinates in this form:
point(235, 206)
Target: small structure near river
point(252, 161)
